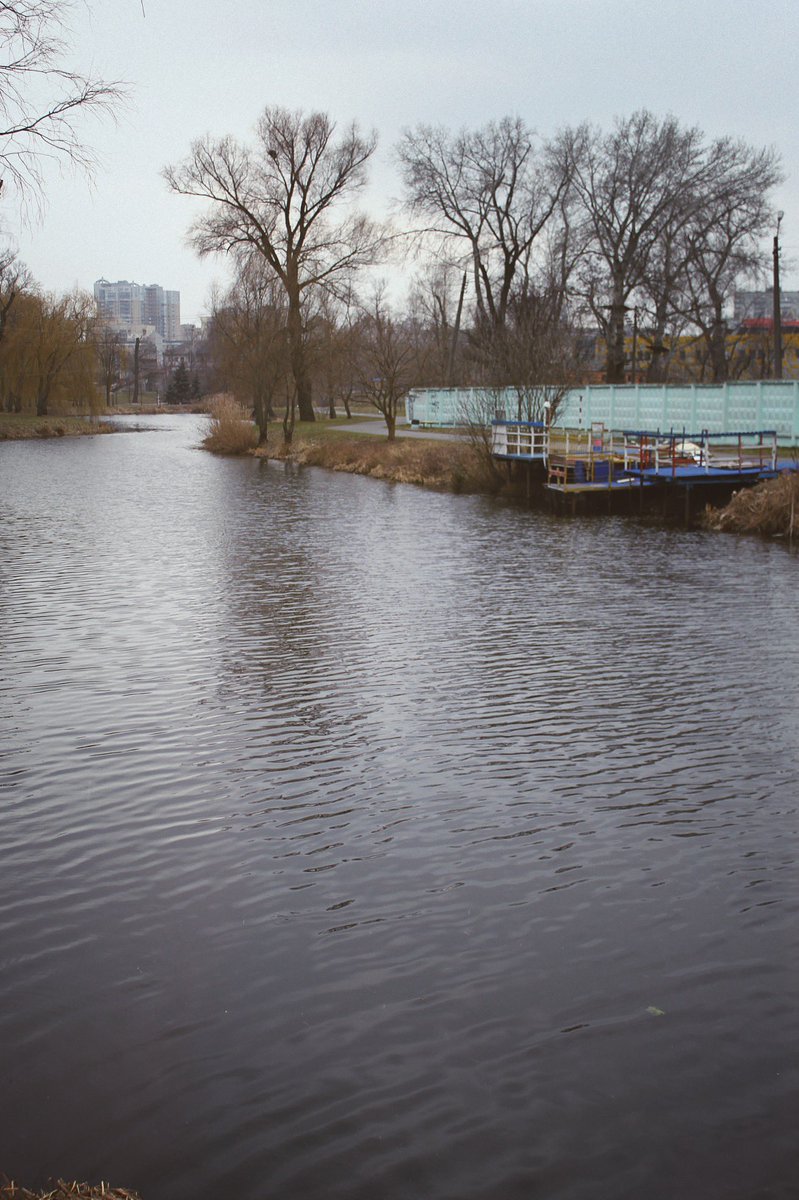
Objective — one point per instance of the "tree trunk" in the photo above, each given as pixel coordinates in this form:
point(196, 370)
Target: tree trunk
point(391, 425)
point(302, 383)
point(261, 418)
point(718, 350)
point(136, 371)
point(615, 368)
point(288, 420)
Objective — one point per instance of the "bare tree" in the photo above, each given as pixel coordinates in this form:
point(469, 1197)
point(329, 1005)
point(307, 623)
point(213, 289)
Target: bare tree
point(335, 330)
point(491, 190)
point(436, 303)
point(14, 279)
point(389, 359)
point(633, 185)
point(108, 343)
point(248, 336)
point(536, 358)
point(723, 240)
point(278, 200)
point(41, 98)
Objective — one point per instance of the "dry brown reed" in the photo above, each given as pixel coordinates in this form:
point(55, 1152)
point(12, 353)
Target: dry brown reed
point(771, 509)
point(61, 1190)
point(229, 429)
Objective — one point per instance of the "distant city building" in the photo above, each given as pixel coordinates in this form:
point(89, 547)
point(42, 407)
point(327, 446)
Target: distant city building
point(750, 306)
point(129, 305)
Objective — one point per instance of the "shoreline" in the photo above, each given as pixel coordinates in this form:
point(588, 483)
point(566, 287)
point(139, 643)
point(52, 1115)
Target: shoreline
point(16, 427)
point(458, 466)
point(768, 510)
point(21, 427)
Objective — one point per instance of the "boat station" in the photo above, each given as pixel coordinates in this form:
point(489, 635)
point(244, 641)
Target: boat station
point(606, 442)
point(600, 462)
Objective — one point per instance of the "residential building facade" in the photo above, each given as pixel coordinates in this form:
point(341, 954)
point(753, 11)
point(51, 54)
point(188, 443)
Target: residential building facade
point(754, 306)
point(131, 305)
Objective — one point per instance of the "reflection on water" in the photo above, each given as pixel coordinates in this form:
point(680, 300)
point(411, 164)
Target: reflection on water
point(361, 841)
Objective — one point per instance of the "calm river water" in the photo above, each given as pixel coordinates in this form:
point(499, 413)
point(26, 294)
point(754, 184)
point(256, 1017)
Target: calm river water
point(361, 842)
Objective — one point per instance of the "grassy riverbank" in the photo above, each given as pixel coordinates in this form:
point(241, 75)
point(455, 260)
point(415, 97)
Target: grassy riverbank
point(452, 466)
point(21, 426)
point(26, 426)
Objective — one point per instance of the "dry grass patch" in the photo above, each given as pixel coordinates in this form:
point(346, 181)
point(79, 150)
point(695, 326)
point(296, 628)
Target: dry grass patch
point(443, 466)
point(23, 427)
point(229, 429)
point(61, 1190)
point(770, 509)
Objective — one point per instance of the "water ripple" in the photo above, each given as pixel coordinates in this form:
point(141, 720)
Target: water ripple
point(362, 841)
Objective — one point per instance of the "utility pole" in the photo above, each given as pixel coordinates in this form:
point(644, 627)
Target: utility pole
point(777, 303)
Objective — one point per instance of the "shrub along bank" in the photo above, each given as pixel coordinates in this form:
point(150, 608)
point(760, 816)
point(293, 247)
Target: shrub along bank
point(770, 509)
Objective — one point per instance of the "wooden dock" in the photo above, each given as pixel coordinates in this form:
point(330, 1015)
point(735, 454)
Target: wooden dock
point(600, 462)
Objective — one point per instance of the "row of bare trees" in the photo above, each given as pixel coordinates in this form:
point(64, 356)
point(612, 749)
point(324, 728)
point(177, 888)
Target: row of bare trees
point(520, 243)
point(650, 217)
point(351, 350)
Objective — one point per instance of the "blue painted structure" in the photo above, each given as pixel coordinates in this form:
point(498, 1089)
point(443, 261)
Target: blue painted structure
point(746, 406)
point(581, 461)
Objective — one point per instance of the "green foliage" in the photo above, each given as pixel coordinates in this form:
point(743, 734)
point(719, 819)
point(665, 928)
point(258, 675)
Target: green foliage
point(179, 389)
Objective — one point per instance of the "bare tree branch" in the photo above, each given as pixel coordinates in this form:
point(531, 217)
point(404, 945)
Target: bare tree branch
point(42, 99)
point(278, 200)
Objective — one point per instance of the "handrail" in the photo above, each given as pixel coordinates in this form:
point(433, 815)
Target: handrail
point(636, 450)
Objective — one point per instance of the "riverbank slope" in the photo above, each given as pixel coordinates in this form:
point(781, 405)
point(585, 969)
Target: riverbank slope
point(25, 426)
point(453, 465)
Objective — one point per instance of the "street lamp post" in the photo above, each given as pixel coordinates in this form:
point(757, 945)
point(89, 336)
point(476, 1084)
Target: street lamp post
point(777, 304)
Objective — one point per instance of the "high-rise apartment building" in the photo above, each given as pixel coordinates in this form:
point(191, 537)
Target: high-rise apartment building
point(134, 305)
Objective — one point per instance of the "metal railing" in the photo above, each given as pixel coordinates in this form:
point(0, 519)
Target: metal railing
point(520, 439)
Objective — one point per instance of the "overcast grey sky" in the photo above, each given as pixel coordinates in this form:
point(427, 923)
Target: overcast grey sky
point(197, 66)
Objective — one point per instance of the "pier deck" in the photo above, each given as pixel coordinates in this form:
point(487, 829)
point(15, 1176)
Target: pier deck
point(600, 460)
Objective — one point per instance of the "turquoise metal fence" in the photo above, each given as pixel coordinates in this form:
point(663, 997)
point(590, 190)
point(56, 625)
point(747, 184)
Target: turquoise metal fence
point(769, 404)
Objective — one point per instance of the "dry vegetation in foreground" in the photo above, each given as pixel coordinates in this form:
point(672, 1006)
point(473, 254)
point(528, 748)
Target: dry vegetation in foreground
point(22, 426)
point(451, 466)
point(770, 509)
point(61, 1190)
point(230, 430)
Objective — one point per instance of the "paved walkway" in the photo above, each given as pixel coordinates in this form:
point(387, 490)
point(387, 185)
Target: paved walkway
point(377, 426)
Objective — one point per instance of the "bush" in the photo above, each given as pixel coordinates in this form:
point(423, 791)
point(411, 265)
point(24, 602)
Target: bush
point(770, 508)
point(229, 430)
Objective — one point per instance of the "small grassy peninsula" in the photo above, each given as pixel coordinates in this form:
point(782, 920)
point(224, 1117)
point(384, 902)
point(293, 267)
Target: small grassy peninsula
point(26, 426)
point(451, 466)
point(454, 465)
